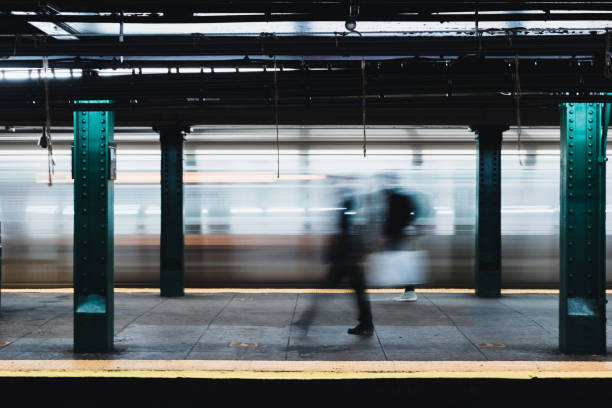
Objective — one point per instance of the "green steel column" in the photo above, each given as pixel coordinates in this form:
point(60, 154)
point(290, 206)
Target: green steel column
point(487, 260)
point(0, 266)
point(93, 232)
point(172, 263)
point(582, 298)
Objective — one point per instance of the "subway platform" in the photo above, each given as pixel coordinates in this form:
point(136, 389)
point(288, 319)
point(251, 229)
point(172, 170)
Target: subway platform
point(229, 339)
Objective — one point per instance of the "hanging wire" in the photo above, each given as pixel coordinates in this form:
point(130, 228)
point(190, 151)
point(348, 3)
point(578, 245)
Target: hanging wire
point(363, 104)
point(276, 120)
point(17, 39)
point(517, 98)
point(478, 33)
point(607, 73)
point(47, 126)
point(121, 36)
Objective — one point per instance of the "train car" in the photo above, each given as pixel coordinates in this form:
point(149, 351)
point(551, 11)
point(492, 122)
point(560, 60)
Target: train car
point(253, 218)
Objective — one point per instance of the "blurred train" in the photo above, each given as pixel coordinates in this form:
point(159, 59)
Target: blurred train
point(246, 227)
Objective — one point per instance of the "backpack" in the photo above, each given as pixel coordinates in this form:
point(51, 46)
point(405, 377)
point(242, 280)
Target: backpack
point(401, 212)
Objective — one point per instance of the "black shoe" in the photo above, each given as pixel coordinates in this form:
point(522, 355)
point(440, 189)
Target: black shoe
point(362, 329)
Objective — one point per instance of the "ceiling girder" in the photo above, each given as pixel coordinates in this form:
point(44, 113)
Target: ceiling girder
point(470, 85)
point(337, 47)
point(303, 6)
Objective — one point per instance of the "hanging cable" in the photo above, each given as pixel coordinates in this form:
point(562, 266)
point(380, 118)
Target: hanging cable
point(121, 35)
point(363, 104)
point(607, 72)
point(17, 39)
point(478, 33)
point(517, 98)
point(45, 140)
point(276, 121)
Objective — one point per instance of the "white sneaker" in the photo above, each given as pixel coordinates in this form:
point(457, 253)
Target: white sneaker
point(407, 296)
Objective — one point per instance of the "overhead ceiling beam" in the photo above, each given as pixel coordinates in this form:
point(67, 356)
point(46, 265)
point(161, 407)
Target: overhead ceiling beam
point(430, 115)
point(219, 6)
point(467, 85)
point(315, 15)
point(338, 46)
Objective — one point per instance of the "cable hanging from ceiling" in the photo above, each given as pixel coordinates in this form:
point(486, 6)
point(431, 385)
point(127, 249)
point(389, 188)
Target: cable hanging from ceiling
point(45, 139)
point(517, 98)
point(607, 62)
point(276, 121)
point(363, 105)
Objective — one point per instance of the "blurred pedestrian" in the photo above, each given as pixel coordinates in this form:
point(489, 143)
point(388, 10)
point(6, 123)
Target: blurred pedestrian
point(401, 213)
point(346, 256)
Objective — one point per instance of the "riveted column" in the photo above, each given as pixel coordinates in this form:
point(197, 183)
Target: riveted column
point(582, 299)
point(487, 260)
point(93, 232)
point(172, 264)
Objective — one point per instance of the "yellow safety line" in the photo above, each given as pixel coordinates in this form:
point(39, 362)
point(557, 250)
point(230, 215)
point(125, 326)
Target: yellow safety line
point(304, 370)
point(287, 290)
point(308, 375)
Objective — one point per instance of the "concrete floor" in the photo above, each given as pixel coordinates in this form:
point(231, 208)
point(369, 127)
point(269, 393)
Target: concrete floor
point(261, 326)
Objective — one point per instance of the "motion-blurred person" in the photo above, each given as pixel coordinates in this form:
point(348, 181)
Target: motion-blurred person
point(401, 213)
point(345, 255)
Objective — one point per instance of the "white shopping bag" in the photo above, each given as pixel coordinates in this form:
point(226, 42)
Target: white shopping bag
point(396, 268)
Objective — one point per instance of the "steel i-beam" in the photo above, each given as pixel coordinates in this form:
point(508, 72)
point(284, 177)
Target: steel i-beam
point(172, 263)
point(582, 298)
point(93, 171)
point(488, 211)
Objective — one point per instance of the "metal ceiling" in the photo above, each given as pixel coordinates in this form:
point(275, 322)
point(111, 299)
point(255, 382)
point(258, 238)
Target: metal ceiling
point(420, 77)
point(215, 11)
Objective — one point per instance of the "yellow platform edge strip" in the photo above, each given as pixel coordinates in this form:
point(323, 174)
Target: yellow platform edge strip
point(289, 290)
point(304, 370)
point(305, 375)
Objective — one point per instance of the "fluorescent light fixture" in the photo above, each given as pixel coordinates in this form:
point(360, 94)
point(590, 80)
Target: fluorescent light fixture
point(226, 14)
point(53, 30)
point(114, 72)
point(33, 74)
point(189, 70)
point(204, 211)
point(154, 70)
point(16, 75)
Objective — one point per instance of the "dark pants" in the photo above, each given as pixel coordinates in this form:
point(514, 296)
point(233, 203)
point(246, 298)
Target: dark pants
point(354, 272)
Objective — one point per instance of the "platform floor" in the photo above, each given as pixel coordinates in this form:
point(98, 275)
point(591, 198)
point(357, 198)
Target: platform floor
point(230, 326)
